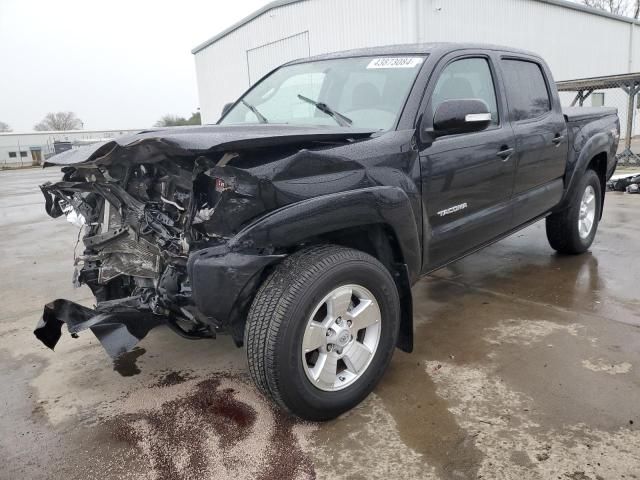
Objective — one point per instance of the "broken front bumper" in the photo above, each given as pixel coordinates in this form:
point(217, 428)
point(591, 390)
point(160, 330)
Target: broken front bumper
point(118, 331)
point(222, 282)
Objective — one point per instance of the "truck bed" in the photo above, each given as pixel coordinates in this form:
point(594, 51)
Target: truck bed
point(580, 114)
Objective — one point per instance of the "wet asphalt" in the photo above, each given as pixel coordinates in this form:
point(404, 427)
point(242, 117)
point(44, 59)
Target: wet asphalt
point(527, 366)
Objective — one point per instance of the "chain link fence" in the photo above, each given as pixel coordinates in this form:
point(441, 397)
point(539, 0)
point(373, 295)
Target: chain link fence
point(618, 91)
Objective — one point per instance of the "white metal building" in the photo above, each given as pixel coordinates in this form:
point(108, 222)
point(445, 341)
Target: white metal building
point(23, 149)
point(576, 41)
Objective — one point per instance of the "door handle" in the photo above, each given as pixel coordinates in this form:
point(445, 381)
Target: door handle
point(505, 153)
point(558, 139)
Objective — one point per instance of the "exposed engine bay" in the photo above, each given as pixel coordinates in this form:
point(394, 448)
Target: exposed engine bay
point(139, 223)
point(143, 205)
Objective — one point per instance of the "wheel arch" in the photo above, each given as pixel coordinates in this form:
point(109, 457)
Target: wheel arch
point(594, 155)
point(378, 221)
point(380, 241)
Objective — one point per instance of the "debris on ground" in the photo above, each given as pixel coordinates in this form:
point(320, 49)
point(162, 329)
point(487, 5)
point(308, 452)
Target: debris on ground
point(629, 184)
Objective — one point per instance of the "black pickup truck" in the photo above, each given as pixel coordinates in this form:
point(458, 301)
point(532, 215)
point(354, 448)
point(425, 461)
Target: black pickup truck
point(299, 222)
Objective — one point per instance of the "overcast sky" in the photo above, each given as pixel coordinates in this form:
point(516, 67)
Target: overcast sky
point(117, 64)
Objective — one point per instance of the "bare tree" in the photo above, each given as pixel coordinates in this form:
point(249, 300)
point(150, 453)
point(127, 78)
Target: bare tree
point(4, 127)
point(59, 121)
point(170, 120)
point(627, 8)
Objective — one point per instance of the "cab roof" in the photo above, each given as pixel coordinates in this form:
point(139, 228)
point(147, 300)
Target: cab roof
point(441, 48)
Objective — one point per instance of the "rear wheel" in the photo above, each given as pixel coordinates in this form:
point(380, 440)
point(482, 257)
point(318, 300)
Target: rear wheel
point(322, 329)
point(572, 231)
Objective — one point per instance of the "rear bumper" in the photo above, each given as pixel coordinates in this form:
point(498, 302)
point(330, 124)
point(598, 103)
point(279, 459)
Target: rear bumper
point(223, 282)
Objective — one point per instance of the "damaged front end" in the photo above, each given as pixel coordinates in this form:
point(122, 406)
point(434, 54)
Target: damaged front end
point(158, 211)
point(140, 220)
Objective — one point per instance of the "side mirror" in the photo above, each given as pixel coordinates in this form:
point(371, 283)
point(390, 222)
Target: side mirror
point(461, 116)
point(226, 108)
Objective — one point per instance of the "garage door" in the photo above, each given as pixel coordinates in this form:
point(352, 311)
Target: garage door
point(261, 60)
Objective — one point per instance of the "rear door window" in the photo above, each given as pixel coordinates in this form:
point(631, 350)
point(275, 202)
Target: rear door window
point(527, 93)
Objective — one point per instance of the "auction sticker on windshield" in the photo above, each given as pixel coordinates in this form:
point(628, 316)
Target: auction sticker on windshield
point(395, 62)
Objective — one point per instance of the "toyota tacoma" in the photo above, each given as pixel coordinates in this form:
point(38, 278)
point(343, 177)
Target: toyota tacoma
point(300, 220)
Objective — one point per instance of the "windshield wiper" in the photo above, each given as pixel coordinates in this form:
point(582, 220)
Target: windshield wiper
point(324, 108)
point(256, 112)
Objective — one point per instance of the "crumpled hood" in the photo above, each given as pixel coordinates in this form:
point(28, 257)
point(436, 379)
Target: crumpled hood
point(208, 138)
point(147, 201)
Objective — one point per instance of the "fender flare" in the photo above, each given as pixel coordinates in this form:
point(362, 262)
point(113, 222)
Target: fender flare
point(598, 144)
point(239, 264)
point(295, 223)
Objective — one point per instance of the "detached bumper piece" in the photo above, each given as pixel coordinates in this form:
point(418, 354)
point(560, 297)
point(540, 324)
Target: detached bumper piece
point(118, 330)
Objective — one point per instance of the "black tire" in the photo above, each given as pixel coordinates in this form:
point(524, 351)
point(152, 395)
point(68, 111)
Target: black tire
point(278, 318)
point(562, 227)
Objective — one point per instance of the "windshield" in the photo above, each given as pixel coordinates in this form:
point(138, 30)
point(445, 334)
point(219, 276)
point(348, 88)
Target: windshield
point(357, 92)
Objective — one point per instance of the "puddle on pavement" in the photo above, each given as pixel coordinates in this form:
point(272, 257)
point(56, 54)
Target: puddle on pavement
point(424, 422)
point(125, 364)
point(466, 330)
point(593, 282)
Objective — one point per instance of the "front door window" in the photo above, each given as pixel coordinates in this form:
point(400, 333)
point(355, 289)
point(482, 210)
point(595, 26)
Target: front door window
point(465, 79)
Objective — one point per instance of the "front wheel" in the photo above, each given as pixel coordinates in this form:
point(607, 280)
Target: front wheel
point(322, 329)
point(572, 230)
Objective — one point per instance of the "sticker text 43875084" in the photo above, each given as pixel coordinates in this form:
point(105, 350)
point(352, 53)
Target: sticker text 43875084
point(395, 62)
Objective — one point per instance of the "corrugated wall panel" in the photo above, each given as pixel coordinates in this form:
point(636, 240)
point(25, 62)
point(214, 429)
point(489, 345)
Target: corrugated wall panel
point(634, 42)
point(564, 37)
point(332, 25)
point(261, 60)
point(576, 44)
